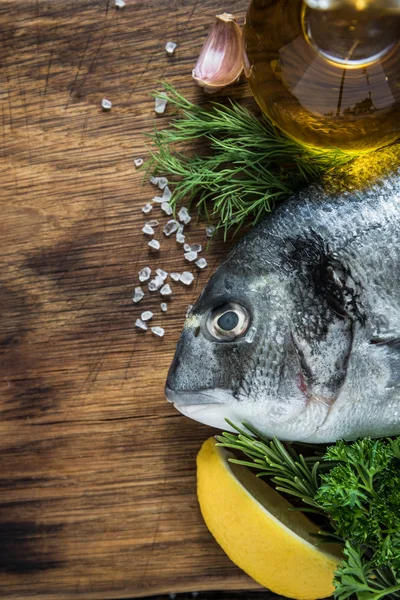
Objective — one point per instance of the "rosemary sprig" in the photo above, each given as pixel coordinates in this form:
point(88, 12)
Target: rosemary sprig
point(246, 165)
point(291, 473)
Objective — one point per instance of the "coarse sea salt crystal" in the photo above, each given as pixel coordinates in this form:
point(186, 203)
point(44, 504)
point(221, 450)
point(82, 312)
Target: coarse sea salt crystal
point(184, 216)
point(164, 306)
point(210, 229)
point(147, 229)
point(106, 104)
point(162, 182)
point(144, 274)
point(157, 199)
point(170, 48)
point(140, 325)
point(201, 263)
point(154, 180)
point(167, 208)
point(190, 256)
point(175, 276)
point(167, 194)
point(187, 247)
point(138, 294)
point(158, 331)
point(146, 315)
point(162, 274)
point(189, 310)
point(154, 244)
point(186, 277)
point(195, 247)
point(120, 4)
point(152, 223)
point(180, 238)
point(138, 162)
point(250, 335)
point(160, 104)
point(155, 284)
point(147, 208)
point(170, 227)
point(166, 290)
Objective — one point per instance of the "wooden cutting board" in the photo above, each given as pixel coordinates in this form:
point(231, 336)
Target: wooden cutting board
point(97, 470)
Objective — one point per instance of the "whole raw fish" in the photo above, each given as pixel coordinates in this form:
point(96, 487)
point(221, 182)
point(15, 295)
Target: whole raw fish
point(298, 332)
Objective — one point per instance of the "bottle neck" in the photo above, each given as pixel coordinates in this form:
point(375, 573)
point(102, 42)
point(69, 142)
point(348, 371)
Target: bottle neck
point(348, 36)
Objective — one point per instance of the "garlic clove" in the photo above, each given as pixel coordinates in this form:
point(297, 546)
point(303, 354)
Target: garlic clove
point(221, 59)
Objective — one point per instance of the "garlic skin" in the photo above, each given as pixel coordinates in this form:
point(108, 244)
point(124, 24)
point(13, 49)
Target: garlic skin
point(221, 59)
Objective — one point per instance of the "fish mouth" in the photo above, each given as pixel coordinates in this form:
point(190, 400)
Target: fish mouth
point(210, 407)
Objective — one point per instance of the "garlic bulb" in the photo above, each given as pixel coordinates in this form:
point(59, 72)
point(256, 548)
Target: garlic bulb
point(221, 59)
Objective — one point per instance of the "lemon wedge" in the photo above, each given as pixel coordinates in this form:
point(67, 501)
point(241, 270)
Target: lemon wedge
point(252, 523)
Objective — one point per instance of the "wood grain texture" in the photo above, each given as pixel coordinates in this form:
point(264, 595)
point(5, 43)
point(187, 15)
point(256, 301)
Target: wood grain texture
point(97, 470)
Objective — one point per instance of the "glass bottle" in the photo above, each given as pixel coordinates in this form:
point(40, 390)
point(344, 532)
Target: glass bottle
point(327, 72)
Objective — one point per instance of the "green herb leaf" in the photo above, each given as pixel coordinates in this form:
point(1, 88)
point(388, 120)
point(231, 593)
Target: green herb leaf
point(243, 167)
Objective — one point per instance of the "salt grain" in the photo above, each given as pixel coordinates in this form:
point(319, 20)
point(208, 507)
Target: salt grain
point(180, 238)
point(155, 284)
point(146, 315)
point(195, 247)
point(201, 263)
point(167, 208)
point(147, 208)
point(160, 104)
point(184, 216)
point(187, 247)
point(186, 277)
point(170, 227)
point(189, 310)
point(138, 162)
point(167, 194)
point(152, 223)
point(106, 104)
point(147, 229)
point(138, 294)
point(250, 335)
point(210, 231)
point(164, 306)
point(158, 331)
point(175, 276)
point(120, 4)
point(190, 256)
point(140, 325)
point(166, 290)
point(162, 182)
point(144, 274)
point(170, 48)
point(162, 274)
point(158, 199)
point(154, 244)
point(154, 180)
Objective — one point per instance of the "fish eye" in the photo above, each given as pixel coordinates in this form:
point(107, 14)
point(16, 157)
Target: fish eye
point(227, 322)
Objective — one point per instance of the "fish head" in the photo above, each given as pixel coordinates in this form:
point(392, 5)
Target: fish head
point(260, 346)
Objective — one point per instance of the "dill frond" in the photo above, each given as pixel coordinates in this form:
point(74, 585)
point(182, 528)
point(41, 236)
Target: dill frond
point(246, 165)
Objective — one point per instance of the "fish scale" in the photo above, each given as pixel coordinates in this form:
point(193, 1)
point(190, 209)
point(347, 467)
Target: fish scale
point(318, 280)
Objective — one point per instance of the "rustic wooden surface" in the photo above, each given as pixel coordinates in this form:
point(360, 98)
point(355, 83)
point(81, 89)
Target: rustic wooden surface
point(97, 470)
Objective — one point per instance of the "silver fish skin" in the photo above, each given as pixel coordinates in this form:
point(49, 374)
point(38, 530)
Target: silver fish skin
point(308, 348)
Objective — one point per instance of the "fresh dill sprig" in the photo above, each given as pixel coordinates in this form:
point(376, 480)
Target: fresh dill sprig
point(357, 486)
point(245, 167)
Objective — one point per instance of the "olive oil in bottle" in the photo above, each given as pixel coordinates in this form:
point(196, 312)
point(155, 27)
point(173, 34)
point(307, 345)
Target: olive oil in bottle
point(330, 76)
